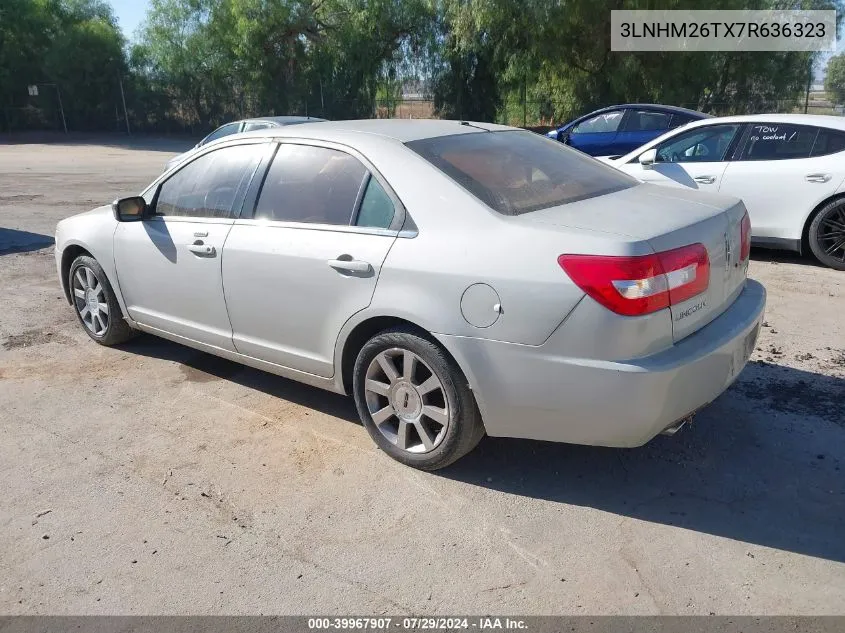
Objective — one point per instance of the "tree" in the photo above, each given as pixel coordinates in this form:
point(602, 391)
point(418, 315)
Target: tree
point(558, 55)
point(834, 80)
point(85, 59)
point(74, 44)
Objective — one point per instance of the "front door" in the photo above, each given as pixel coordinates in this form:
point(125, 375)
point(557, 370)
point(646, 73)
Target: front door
point(695, 158)
point(310, 257)
point(169, 265)
point(596, 136)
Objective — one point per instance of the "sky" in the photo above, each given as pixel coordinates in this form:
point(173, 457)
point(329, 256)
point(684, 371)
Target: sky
point(130, 14)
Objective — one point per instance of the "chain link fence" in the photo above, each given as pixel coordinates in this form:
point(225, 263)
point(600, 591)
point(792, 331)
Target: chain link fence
point(43, 115)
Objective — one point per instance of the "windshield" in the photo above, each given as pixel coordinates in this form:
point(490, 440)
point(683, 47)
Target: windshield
point(516, 172)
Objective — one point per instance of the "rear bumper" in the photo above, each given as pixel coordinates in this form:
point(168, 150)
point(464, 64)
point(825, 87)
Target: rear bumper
point(533, 392)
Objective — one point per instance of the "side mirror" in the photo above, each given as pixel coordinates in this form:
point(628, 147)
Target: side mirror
point(129, 209)
point(647, 158)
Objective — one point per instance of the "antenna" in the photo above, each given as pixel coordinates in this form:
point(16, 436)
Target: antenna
point(477, 127)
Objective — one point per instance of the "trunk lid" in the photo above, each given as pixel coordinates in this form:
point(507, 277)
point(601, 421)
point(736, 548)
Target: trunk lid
point(667, 219)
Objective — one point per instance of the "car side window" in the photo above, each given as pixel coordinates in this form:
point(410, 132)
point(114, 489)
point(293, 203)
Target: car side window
point(778, 141)
point(828, 142)
point(223, 130)
point(700, 145)
point(256, 125)
point(311, 184)
point(209, 186)
point(647, 120)
point(377, 208)
point(604, 122)
point(680, 119)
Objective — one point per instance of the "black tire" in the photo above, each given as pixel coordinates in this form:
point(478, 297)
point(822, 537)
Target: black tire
point(465, 428)
point(116, 329)
point(827, 234)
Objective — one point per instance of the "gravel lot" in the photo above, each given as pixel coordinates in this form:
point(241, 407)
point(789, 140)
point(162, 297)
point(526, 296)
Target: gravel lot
point(154, 479)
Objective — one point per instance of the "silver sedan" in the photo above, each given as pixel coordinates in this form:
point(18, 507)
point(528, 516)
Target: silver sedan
point(456, 278)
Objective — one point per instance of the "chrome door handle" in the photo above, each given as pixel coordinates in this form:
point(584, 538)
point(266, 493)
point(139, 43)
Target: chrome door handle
point(705, 180)
point(350, 265)
point(203, 250)
point(817, 177)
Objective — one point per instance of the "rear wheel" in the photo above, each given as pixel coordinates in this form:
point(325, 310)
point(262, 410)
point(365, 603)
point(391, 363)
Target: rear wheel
point(827, 235)
point(95, 303)
point(414, 401)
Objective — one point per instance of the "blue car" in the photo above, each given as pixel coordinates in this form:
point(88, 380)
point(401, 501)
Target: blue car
point(617, 130)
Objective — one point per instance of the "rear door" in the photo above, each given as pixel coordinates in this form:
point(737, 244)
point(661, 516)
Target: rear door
point(784, 171)
point(639, 127)
point(696, 158)
point(595, 136)
point(168, 266)
point(309, 256)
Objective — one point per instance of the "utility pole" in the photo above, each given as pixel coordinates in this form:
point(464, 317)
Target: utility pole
point(809, 80)
point(61, 107)
point(123, 98)
point(525, 101)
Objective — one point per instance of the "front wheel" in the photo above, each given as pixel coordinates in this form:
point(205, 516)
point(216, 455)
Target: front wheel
point(414, 401)
point(95, 303)
point(827, 235)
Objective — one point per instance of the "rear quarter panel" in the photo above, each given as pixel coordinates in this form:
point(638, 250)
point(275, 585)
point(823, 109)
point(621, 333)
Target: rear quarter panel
point(461, 242)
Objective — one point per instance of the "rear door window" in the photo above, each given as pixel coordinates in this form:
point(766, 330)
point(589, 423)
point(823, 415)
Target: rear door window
point(311, 184)
point(647, 120)
point(778, 141)
point(828, 142)
point(681, 119)
point(519, 172)
point(249, 126)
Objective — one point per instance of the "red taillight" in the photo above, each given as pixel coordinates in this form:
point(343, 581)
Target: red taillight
point(745, 238)
point(642, 284)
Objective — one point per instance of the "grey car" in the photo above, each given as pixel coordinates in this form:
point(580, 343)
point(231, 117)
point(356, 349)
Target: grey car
point(245, 125)
point(454, 278)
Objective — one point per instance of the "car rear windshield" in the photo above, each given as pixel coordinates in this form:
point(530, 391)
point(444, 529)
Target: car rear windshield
point(516, 172)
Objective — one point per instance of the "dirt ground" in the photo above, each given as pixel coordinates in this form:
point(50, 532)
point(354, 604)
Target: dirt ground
point(153, 479)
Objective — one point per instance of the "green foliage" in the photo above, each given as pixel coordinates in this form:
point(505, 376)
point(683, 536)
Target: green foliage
point(834, 81)
point(556, 56)
point(198, 63)
point(74, 45)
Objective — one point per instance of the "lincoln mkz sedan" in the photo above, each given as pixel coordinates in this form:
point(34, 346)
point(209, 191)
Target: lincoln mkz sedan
point(455, 278)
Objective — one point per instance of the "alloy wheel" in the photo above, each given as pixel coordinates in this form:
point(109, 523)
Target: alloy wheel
point(406, 401)
point(89, 298)
point(831, 233)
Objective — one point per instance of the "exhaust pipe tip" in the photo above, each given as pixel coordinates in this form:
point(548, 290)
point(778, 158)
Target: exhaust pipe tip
point(677, 426)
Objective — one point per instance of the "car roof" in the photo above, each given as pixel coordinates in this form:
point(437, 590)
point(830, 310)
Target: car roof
point(654, 106)
point(822, 120)
point(643, 106)
point(402, 130)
